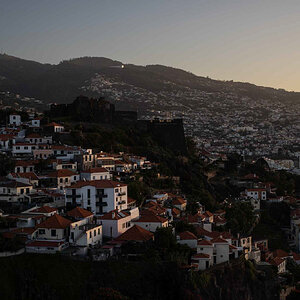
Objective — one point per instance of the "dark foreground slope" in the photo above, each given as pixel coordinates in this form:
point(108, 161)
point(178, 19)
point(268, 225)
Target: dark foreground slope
point(56, 277)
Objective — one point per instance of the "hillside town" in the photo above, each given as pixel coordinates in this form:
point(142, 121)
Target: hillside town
point(223, 122)
point(60, 198)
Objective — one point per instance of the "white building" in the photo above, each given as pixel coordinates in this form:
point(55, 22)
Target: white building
point(257, 193)
point(151, 222)
point(95, 174)
point(115, 223)
point(98, 196)
point(187, 238)
point(15, 120)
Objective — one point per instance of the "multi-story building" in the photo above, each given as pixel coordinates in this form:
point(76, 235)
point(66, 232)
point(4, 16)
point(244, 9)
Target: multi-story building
point(98, 196)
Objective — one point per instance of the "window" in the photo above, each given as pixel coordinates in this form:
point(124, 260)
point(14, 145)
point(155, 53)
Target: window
point(18, 148)
point(90, 234)
point(94, 177)
point(89, 193)
point(42, 231)
point(98, 230)
point(123, 225)
point(53, 232)
point(22, 191)
point(27, 190)
point(89, 202)
point(95, 232)
point(25, 147)
point(61, 180)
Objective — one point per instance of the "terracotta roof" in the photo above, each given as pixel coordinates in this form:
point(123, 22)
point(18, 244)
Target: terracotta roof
point(61, 173)
point(26, 230)
point(98, 184)
point(296, 256)
point(44, 244)
point(208, 214)
point(95, 170)
point(201, 255)
point(15, 184)
point(175, 211)
point(34, 135)
point(205, 243)
point(25, 163)
point(135, 233)
point(6, 137)
point(219, 240)
point(151, 218)
point(256, 190)
point(219, 220)
point(52, 124)
point(114, 215)
point(187, 235)
point(79, 212)
point(277, 261)
point(28, 175)
point(130, 200)
point(44, 209)
point(178, 201)
point(55, 221)
point(280, 253)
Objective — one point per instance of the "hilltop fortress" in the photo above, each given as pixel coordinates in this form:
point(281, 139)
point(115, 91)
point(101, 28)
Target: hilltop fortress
point(169, 133)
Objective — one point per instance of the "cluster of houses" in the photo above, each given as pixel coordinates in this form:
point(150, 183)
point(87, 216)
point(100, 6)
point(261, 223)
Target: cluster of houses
point(74, 201)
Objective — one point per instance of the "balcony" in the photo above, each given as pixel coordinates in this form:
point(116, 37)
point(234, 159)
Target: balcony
point(121, 193)
point(73, 196)
point(101, 204)
point(121, 202)
point(100, 196)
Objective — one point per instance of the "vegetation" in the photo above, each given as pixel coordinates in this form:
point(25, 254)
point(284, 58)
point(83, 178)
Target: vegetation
point(240, 218)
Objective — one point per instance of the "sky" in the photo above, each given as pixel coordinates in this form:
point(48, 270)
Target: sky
point(256, 41)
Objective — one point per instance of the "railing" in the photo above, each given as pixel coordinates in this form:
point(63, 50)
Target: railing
point(101, 203)
point(121, 193)
point(101, 196)
point(73, 196)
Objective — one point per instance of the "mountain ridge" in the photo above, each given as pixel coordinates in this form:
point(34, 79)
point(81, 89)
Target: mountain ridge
point(62, 82)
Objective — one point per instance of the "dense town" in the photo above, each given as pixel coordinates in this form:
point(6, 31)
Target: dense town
point(59, 198)
point(223, 122)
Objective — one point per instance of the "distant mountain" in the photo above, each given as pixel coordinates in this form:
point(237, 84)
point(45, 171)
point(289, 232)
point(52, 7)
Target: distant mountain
point(94, 76)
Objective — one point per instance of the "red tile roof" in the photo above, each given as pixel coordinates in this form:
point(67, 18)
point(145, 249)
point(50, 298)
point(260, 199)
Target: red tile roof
point(178, 201)
point(98, 184)
point(130, 200)
point(52, 124)
point(201, 255)
point(28, 175)
point(61, 173)
point(277, 261)
point(95, 170)
point(219, 240)
point(44, 244)
point(280, 253)
point(135, 233)
point(79, 212)
point(205, 243)
point(151, 218)
point(44, 209)
point(187, 235)
point(114, 215)
point(56, 221)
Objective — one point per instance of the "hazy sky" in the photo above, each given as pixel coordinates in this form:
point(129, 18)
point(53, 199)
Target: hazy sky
point(252, 40)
